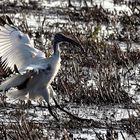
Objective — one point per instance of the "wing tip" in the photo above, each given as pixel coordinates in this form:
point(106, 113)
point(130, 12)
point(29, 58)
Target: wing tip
point(2, 21)
point(5, 19)
point(9, 20)
point(5, 71)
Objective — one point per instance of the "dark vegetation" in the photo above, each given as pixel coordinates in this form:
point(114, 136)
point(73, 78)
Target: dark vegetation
point(104, 61)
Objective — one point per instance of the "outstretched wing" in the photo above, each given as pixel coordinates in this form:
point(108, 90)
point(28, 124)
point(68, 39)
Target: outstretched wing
point(16, 48)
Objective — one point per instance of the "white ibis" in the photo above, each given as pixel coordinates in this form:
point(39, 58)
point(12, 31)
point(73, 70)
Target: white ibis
point(34, 72)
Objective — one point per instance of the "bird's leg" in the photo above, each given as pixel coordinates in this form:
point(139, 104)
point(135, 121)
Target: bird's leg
point(46, 94)
point(60, 108)
point(51, 112)
point(73, 116)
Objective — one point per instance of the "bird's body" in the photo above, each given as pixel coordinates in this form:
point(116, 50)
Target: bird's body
point(34, 72)
point(44, 77)
point(34, 80)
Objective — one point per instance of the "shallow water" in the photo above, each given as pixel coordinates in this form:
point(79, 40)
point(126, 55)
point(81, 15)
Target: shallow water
point(108, 114)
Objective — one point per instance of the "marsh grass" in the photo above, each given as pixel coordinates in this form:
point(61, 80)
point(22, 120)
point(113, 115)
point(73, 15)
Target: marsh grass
point(101, 75)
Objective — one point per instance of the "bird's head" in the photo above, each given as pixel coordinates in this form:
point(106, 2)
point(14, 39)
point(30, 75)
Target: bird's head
point(59, 37)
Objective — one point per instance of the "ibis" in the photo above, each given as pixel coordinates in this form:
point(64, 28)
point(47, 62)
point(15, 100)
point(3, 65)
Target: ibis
point(33, 73)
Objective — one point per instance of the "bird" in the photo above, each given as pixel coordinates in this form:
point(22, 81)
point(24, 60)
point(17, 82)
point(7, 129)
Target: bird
point(33, 73)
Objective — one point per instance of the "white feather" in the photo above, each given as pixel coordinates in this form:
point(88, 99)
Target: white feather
point(14, 81)
point(15, 47)
point(16, 94)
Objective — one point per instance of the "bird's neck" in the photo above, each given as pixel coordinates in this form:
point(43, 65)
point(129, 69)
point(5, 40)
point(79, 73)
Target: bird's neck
point(56, 49)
